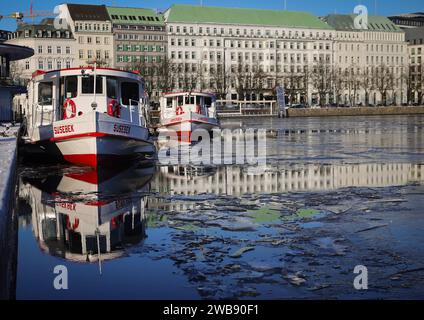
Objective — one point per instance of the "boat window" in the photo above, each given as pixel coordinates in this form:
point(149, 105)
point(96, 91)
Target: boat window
point(88, 85)
point(130, 91)
point(112, 87)
point(189, 100)
point(199, 101)
point(71, 85)
point(169, 102)
point(180, 101)
point(208, 102)
point(45, 93)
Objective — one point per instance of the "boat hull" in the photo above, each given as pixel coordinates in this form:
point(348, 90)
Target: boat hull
point(94, 140)
point(184, 126)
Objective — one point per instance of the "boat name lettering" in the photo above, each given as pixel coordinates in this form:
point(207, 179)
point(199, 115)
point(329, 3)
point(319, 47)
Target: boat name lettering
point(68, 206)
point(119, 128)
point(64, 129)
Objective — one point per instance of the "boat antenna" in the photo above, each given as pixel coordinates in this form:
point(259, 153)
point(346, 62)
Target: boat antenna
point(94, 104)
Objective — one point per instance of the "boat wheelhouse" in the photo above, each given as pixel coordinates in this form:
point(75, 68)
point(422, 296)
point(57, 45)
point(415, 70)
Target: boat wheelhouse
point(186, 112)
point(87, 116)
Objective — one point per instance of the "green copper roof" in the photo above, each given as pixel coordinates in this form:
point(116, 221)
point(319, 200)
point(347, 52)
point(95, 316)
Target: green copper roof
point(253, 17)
point(138, 16)
point(375, 23)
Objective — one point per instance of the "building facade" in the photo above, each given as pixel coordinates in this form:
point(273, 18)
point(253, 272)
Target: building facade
point(370, 64)
point(415, 38)
point(53, 48)
point(92, 29)
point(246, 53)
point(139, 43)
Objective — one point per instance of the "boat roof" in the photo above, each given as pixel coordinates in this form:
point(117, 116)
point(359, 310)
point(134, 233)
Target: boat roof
point(43, 75)
point(187, 93)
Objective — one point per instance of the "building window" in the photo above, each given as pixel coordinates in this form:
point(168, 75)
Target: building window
point(26, 65)
point(107, 55)
point(49, 65)
point(40, 49)
point(89, 40)
point(68, 64)
point(49, 49)
point(59, 50)
point(68, 50)
point(59, 64)
point(81, 54)
point(40, 64)
point(90, 54)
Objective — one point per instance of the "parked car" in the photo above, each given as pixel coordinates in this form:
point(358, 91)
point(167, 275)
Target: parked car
point(298, 106)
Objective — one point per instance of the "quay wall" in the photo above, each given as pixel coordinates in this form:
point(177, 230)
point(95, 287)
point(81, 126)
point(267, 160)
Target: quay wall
point(361, 111)
point(8, 218)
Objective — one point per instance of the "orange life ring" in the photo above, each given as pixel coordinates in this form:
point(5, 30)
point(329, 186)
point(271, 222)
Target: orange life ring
point(69, 103)
point(114, 109)
point(179, 111)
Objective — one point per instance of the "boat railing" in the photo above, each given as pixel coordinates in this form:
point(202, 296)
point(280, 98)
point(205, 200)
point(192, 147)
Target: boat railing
point(44, 113)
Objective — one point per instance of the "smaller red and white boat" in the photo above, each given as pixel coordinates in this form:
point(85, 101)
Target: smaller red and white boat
point(186, 112)
point(87, 116)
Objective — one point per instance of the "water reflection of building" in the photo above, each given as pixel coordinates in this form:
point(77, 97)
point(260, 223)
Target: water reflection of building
point(236, 181)
point(73, 218)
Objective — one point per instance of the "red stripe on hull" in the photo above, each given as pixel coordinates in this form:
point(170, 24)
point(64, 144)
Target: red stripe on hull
point(89, 160)
point(94, 161)
point(82, 135)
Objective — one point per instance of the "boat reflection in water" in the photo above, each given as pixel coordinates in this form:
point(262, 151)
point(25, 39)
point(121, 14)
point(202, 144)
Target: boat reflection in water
point(85, 215)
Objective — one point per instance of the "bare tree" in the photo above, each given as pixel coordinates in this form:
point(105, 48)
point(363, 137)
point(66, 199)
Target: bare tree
point(337, 84)
point(220, 79)
point(384, 81)
point(368, 84)
point(321, 80)
point(416, 77)
point(166, 75)
point(353, 83)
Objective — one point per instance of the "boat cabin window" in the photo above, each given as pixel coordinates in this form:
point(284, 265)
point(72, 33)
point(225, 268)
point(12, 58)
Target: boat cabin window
point(130, 91)
point(198, 101)
point(112, 87)
point(71, 87)
point(88, 85)
point(45, 93)
point(169, 102)
point(208, 102)
point(189, 100)
point(180, 100)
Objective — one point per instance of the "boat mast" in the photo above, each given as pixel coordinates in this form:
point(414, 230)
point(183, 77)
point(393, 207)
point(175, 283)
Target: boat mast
point(94, 104)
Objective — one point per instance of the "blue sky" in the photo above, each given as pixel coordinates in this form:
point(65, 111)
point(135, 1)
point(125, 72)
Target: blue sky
point(318, 7)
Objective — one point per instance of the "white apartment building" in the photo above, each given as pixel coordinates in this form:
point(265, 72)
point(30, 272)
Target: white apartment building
point(241, 52)
point(93, 33)
point(415, 38)
point(53, 48)
point(371, 63)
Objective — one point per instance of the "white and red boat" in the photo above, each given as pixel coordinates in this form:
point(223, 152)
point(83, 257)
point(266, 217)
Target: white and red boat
point(87, 116)
point(185, 112)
